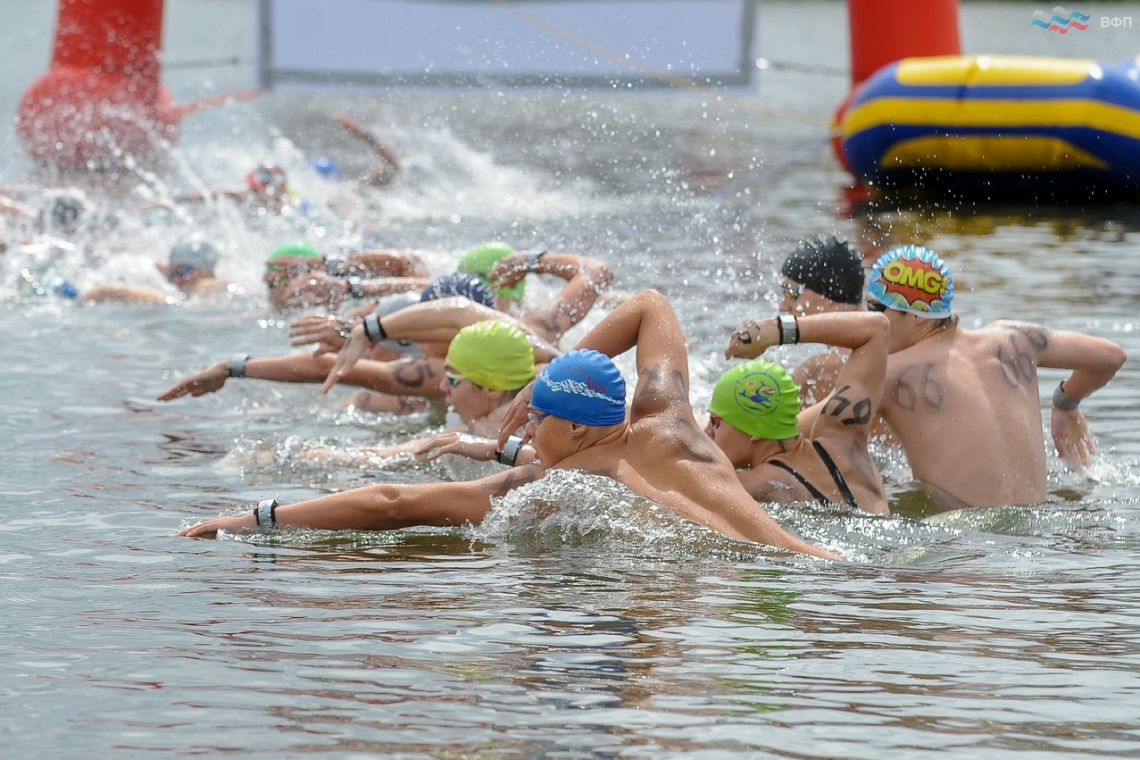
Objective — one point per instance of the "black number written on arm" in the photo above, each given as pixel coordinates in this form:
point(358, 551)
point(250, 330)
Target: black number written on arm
point(837, 403)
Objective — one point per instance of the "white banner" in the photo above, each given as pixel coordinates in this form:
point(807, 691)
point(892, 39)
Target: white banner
point(478, 43)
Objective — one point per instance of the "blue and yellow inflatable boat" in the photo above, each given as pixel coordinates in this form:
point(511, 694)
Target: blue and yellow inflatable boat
point(1006, 123)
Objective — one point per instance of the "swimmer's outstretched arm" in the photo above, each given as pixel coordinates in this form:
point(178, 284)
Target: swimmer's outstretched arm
point(430, 322)
point(412, 376)
point(470, 446)
point(385, 262)
point(321, 289)
point(386, 507)
point(15, 208)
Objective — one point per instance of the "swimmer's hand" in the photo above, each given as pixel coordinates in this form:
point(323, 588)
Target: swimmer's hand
point(516, 417)
point(461, 444)
point(327, 331)
point(208, 380)
point(752, 338)
point(354, 347)
point(233, 524)
point(1075, 445)
point(510, 270)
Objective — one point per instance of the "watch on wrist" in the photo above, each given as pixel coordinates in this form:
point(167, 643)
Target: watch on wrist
point(510, 452)
point(335, 265)
point(265, 513)
point(1063, 400)
point(236, 365)
point(356, 287)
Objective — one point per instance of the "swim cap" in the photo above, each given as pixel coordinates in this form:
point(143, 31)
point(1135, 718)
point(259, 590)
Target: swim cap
point(758, 398)
point(195, 252)
point(325, 167)
point(493, 355)
point(481, 259)
point(65, 212)
point(582, 386)
point(266, 178)
point(914, 280)
point(294, 248)
point(829, 267)
point(456, 284)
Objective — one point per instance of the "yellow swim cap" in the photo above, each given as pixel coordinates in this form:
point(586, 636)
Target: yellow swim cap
point(758, 398)
point(481, 259)
point(493, 354)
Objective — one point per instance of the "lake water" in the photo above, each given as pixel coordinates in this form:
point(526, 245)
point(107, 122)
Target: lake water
point(605, 629)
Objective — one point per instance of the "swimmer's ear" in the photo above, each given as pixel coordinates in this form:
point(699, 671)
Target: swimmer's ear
point(577, 430)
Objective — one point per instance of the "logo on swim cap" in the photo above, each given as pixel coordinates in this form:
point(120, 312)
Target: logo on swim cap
point(758, 398)
point(912, 279)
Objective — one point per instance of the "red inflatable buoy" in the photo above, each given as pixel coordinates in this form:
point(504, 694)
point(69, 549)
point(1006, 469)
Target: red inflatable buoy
point(100, 101)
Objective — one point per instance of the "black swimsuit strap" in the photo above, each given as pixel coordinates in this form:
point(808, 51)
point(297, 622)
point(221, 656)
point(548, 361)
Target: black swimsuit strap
point(815, 494)
point(836, 475)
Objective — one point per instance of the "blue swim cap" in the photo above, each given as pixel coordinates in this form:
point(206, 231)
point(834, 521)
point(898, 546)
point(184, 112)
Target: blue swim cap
point(582, 386)
point(325, 167)
point(914, 280)
point(456, 284)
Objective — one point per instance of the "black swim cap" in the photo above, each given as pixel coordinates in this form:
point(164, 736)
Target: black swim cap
point(829, 266)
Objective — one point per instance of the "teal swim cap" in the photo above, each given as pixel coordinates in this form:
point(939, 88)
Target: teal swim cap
point(481, 259)
point(758, 398)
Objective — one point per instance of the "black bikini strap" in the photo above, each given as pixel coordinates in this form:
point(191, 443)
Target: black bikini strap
point(815, 494)
point(836, 475)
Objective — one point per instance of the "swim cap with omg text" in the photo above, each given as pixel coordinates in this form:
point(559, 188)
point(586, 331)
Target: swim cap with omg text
point(912, 279)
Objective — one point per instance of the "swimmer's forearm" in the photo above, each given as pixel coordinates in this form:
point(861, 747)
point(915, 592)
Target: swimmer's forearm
point(295, 368)
point(848, 329)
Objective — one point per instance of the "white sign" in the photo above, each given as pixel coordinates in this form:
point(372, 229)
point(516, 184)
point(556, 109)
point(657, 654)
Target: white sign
point(478, 43)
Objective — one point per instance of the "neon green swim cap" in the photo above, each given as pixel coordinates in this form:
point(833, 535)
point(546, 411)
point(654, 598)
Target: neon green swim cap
point(493, 354)
point(294, 248)
point(758, 398)
point(481, 259)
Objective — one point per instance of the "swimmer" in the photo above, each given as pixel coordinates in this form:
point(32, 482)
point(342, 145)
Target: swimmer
point(579, 423)
point(586, 279)
point(754, 408)
point(431, 324)
point(504, 271)
point(298, 276)
point(63, 213)
point(487, 363)
point(266, 187)
point(822, 275)
point(383, 173)
point(190, 268)
point(965, 404)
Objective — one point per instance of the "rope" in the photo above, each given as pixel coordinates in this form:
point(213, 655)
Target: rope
point(206, 63)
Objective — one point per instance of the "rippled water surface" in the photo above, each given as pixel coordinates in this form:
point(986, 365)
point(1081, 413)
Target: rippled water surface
point(602, 627)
